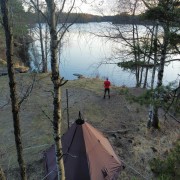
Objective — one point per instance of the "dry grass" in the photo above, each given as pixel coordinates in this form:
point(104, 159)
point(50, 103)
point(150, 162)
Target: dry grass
point(2, 62)
point(135, 146)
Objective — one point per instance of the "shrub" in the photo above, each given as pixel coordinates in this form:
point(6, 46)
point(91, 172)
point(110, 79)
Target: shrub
point(168, 168)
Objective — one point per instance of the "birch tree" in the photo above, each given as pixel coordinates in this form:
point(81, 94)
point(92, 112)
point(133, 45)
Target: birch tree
point(56, 79)
point(56, 36)
point(12, 86)
point(54, 11)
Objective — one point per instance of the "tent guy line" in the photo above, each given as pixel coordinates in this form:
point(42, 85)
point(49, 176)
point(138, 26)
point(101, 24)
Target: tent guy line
point(135, 170)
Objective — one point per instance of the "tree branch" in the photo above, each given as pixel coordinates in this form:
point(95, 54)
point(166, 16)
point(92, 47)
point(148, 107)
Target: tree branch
point(1, 107)
point(146, 4)
point(27, 93)
point(37, 8)
point(46, 115)
point(174, 117)
point(62, 83)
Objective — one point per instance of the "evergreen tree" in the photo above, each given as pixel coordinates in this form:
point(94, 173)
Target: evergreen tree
point(167, 13)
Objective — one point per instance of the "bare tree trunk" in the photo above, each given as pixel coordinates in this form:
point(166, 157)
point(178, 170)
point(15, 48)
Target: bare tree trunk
point(150, 53)
point(57, 114)
point(135, 48)
point(145, 79)
point(155, 122)
point(44, 63)
point(155, 57)
point(12, 85)
point(141, 75)
point(138, 57)
point(153, 110)
point(2, 175)
point(46, 45)
point(135, 58)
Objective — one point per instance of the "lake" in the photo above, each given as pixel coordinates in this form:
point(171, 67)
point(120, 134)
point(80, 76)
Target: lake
point(86, 54)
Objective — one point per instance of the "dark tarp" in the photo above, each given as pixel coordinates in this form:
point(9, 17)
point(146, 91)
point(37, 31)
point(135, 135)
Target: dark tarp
point(88, 155)
point(50, 163)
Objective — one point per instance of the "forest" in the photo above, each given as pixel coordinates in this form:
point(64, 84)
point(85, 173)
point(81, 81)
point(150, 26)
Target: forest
point(37, 107)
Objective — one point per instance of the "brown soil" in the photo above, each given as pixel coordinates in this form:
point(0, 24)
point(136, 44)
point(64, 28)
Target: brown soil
point(123, 123)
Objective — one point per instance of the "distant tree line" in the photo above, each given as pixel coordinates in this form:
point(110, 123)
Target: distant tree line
point(72, 18)
point(122, 18)
point(125, 18)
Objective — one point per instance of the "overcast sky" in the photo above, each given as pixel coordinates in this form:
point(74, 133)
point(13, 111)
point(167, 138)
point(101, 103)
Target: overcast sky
point(107, 7)
point(99, 7)
point(96, 7)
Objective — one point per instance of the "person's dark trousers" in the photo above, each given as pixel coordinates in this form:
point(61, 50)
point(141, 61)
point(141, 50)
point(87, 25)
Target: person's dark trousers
point(106, 90)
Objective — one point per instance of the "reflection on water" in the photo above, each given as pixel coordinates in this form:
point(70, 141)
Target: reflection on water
point(85, 54)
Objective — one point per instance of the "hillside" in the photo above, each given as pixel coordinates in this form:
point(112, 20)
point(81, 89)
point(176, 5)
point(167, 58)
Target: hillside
point(124, 124)
point(20, 57)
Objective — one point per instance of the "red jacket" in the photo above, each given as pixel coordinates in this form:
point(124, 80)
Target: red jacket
point(107, 84)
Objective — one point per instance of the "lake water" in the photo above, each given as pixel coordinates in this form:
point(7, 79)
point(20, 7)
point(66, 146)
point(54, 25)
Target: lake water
point(86, 54)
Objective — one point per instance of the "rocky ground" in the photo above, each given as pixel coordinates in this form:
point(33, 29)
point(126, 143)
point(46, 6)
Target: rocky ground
point(124, 124)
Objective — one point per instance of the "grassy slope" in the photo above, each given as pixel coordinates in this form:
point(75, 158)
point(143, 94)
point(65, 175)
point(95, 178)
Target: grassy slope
point(36, 127)
point(134, 145)
point(2, 45)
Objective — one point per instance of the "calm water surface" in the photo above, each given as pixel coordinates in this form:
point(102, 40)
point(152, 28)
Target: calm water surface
point(85, 54)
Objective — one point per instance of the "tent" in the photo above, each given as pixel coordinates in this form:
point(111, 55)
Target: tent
point(88, 155)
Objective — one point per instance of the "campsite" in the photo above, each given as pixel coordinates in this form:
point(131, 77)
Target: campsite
point(124, 124)
point(89, 90)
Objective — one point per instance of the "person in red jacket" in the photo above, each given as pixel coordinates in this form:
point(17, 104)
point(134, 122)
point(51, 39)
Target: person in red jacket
point(107, 85)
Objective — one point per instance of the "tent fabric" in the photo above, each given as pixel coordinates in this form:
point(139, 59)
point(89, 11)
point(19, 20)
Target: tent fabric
point(50, 163)
point(75, 159)
point(103, 161)
point(88, 155)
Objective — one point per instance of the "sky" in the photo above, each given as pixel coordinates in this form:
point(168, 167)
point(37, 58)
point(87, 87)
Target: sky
point(99, 7)
point(106, 7)
point(96, 7)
